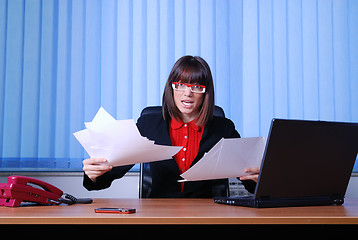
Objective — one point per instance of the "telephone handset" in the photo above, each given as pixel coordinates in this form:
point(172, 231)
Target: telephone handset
point(18, 190)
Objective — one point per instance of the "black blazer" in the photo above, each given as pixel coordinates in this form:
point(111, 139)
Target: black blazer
point(165, 173)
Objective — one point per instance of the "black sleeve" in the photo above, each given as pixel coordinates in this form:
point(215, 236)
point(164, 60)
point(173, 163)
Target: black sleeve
point(106, 179)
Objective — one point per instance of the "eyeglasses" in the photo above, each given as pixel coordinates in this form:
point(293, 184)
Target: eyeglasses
point(193, 88)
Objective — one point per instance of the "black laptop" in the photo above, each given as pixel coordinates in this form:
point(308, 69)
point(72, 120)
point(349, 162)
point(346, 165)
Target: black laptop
point(305, 163)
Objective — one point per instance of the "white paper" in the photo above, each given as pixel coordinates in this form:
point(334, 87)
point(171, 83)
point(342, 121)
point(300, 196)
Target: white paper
point(120, 142)
point(228, 159)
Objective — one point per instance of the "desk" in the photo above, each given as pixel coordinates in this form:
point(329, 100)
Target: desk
point(178, 212)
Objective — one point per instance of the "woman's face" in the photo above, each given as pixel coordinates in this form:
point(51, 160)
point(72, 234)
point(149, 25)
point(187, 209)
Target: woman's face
point(188, 103)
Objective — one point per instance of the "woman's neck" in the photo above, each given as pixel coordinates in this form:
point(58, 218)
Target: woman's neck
point(188, 117)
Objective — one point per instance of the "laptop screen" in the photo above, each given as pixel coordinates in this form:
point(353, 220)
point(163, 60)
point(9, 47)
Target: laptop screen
point(307, 159)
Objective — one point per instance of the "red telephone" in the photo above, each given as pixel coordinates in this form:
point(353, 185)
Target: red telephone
point(17, 190)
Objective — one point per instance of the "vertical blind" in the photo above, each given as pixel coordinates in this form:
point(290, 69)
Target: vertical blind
point(60, 60)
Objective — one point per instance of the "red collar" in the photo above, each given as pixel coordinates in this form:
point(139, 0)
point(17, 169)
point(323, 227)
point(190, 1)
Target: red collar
point(174, 124)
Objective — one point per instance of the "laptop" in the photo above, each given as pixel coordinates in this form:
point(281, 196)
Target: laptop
point(305, 163)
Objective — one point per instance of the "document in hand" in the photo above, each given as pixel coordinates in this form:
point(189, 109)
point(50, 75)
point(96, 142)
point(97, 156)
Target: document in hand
point(120, 142)
point(228, 159)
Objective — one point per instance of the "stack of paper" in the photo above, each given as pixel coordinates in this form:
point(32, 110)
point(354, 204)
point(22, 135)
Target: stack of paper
point(120, 142)
point(228, 159)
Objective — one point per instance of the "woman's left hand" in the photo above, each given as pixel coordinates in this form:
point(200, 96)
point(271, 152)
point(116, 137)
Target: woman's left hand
point(252, 174)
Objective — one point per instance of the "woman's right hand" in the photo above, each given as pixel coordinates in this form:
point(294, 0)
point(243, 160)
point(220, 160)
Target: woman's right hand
point(95, 167)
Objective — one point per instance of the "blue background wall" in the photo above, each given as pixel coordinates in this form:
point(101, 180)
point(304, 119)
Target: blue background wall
point(60, 60)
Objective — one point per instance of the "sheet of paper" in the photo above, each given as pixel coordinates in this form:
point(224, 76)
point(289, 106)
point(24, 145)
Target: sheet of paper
point(120, 142)
point(228, 159)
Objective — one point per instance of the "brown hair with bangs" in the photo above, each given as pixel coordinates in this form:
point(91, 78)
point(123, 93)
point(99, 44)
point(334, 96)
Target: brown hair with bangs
point(191, 70)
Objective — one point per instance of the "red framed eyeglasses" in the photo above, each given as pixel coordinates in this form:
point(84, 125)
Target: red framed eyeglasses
point(193, 87)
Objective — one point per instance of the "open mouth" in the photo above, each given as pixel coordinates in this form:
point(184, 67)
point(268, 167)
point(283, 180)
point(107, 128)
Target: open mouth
point(187, 103)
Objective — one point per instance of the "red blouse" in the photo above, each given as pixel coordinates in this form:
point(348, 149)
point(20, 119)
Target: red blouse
point(187, 135)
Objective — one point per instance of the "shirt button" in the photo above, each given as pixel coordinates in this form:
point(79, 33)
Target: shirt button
point(185, 125)
point(184, 149)
point(183, 159)
point(185, 137)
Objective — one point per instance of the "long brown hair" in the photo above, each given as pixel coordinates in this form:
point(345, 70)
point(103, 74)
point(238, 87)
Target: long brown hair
point(191, 70)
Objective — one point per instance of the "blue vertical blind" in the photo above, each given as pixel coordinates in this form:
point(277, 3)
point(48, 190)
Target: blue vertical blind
point(300, 61)
point(60, 60)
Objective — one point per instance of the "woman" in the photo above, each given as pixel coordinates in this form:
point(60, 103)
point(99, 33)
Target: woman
point(186, 120)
